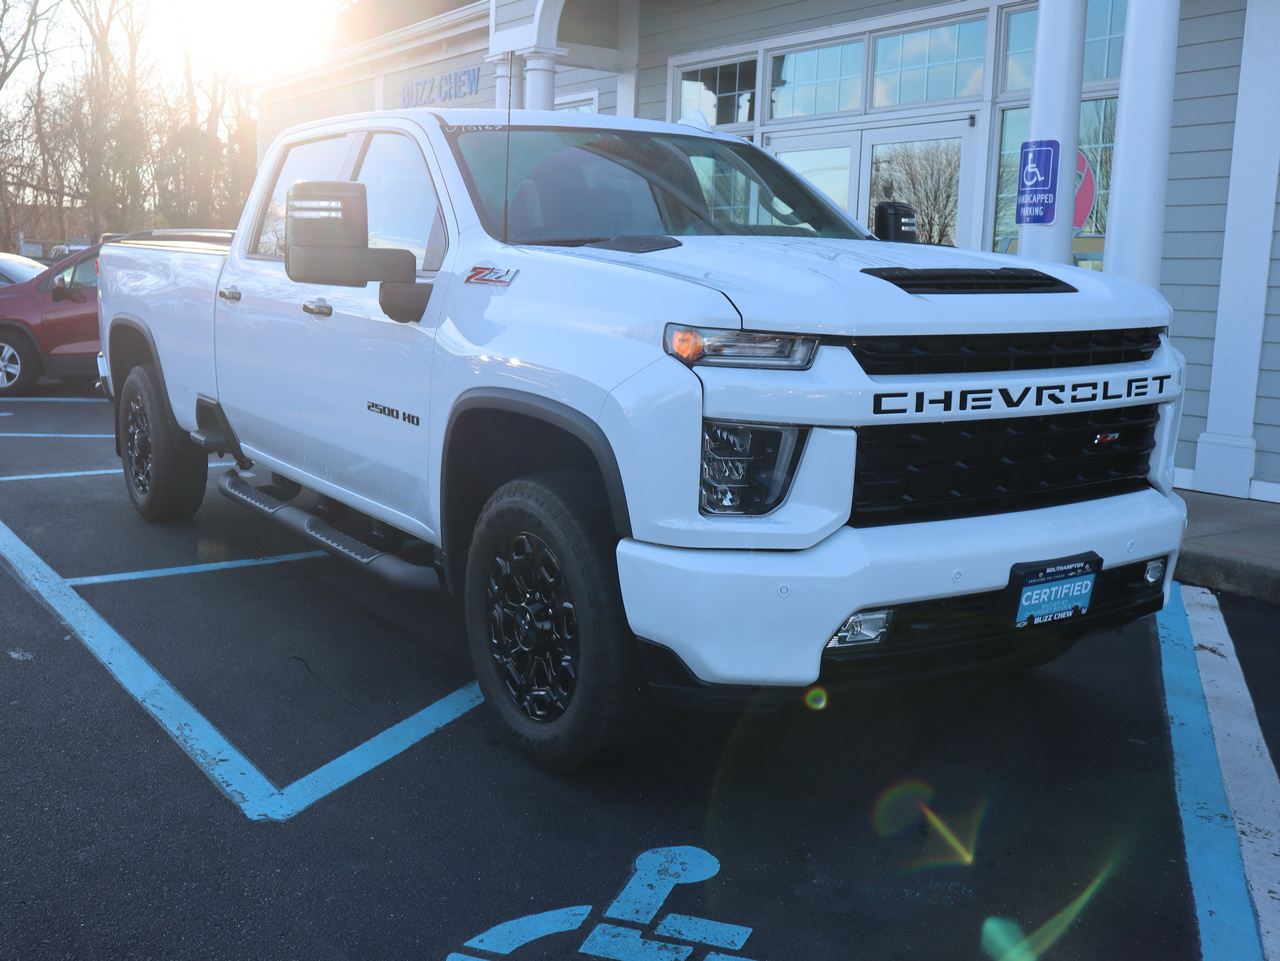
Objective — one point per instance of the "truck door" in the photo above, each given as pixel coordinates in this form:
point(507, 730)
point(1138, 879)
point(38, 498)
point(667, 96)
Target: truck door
point(364, 379)
point(260, 326)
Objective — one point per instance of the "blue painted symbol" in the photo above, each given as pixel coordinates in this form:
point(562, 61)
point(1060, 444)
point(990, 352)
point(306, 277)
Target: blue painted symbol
point(1038, 182)
point(657, 872)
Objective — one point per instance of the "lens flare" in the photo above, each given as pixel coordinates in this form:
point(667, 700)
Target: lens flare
point(1003, 940)
point(949, 841)
point(815, 699)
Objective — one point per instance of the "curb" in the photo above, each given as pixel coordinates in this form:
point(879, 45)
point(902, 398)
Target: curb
point(1232, 572)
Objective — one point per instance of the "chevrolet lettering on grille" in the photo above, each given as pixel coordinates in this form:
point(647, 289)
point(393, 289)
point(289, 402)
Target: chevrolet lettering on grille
point(1041, 396)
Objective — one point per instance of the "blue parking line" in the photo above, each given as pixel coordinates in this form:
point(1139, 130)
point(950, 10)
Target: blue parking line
point(228, 768)
point(69, 473)
point(1228, 928)
point(96, 436)
point(191, 569)
point(54, 400)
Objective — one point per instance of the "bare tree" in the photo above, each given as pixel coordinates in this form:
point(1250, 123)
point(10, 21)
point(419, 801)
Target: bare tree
point(925, 174)
point(24, 35)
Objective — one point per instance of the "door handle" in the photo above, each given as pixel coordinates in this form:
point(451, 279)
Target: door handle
point(230, 293)
point(318, 307)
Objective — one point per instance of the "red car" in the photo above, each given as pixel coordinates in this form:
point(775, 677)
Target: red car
point(48, 321)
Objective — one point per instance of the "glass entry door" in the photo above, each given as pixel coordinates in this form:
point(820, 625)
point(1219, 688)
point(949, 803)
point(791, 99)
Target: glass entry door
point(932, 166)
point(830, 161)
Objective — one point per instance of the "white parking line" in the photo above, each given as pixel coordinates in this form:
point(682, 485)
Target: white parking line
point(69, 473)
point(1248, 774)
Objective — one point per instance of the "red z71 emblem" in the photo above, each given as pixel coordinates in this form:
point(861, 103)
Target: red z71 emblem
point(491, 275)
point(1108, 438)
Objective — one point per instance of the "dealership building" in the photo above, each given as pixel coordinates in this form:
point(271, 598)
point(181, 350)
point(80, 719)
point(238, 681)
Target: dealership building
point(1172, 108)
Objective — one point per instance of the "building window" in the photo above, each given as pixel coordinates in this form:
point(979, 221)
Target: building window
point(1103, 43)
point(723, 94)
point(925, 174)
point(1103, 39)
point(1020, 50)
point(1093, 179)
point(826, 80)
point(586, 103)
point(940, 63)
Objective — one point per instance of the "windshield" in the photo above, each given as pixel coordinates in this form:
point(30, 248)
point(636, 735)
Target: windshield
point(572, 186)
point(19, 270)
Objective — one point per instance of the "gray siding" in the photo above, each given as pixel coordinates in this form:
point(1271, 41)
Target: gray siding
point(579, 81)
point(1267, 416)
point(672, 27)
point(593, 22)
point(514, 13)
point(1210, 38)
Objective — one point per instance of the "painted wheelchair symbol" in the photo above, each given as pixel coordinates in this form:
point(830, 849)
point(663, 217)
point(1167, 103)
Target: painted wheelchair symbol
point(657, 872)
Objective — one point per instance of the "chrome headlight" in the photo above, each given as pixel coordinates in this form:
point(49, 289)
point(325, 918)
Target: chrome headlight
point(747, 468)
point(712, 347)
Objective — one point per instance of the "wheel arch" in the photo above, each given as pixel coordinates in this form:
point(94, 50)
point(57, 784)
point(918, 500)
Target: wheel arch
point(535, 434)
point(25, 332)
point(129, 343)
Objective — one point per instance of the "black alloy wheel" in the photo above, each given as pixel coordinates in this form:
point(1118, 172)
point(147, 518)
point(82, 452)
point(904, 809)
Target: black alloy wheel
point(164, 474)
point(533, 627)
point(552, 650)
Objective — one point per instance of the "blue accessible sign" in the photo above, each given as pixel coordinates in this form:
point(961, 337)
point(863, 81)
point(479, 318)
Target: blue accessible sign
point(1038, 182)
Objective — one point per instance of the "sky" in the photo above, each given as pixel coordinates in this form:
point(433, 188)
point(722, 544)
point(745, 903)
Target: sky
point(252, 38)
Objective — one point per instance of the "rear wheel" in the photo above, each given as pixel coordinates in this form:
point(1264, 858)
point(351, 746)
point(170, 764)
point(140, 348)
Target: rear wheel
point(554, 656)
point(165, 476)
point(19, 365)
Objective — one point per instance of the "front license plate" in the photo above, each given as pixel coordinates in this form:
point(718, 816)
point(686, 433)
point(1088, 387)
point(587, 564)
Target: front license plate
point(1055, 591)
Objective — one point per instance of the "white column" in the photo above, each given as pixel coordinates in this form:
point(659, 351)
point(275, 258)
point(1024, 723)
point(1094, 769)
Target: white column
point(628, 56)
point(1055, 115)
point(502, 91)
point(1225, 451)
point(1144, 120)
point(540, 77)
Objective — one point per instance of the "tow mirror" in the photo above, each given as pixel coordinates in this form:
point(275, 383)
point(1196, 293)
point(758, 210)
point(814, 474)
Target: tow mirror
point(326, 235)
point(895, 222)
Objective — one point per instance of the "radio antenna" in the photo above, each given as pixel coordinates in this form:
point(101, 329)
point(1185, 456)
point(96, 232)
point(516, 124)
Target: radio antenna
point(506, 173)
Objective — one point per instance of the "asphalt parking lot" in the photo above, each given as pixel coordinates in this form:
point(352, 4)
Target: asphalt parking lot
point(211, 746)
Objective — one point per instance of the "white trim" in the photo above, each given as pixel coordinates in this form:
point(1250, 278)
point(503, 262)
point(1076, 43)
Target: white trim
point(1246, 262)
point(1260, 490)
point(589, 96)
point(1184, 478)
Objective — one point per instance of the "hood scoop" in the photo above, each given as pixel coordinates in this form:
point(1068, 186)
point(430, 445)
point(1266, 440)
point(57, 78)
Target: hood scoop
point(636, 243)
point(971, 280)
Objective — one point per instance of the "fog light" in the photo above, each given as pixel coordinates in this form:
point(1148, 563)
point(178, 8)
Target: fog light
point(865, 627)
point(1154, 571)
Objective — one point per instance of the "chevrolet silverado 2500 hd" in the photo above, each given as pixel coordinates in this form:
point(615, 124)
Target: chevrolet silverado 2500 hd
point(668, 421)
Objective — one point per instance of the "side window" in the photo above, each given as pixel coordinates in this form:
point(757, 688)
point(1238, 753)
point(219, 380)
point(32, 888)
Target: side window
point(84, 274)
point(404, 210)
point(315, 160)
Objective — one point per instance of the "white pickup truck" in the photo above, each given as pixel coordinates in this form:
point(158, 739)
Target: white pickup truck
point(671, 424)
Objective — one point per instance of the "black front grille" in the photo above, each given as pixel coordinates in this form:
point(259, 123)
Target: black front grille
point(971, 280)
point(923, 472)
point(973, 353)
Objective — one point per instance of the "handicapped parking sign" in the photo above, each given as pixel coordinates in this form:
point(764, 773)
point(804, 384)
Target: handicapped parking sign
point(626, 932)
point(1038, 182)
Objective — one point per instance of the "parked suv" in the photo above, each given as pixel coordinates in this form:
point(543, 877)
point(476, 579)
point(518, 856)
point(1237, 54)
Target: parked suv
point(48, 322)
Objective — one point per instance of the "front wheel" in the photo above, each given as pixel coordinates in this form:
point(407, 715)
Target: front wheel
point(553, 653)
point(19, 366)
point(165, 476)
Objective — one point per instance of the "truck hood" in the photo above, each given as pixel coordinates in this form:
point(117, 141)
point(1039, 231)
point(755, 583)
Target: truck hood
point(817, 286)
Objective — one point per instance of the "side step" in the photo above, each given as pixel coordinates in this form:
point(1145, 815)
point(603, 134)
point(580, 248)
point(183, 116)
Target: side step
point(394, 570)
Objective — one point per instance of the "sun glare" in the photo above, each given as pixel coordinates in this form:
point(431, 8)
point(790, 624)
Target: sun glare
point(247, 39)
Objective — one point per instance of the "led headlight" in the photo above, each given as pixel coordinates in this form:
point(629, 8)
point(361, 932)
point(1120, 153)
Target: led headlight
point(747, 468)
point(711, 347)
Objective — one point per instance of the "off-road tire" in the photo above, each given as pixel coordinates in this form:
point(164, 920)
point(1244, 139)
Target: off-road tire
point(555, 658)
point(165, 476)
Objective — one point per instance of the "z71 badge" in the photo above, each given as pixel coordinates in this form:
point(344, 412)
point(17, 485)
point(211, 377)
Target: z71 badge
point(491, 275)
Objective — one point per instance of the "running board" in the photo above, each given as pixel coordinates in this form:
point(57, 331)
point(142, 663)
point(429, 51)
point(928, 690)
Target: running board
point(395, 570)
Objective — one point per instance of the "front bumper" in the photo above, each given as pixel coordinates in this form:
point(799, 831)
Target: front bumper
point(763, 618)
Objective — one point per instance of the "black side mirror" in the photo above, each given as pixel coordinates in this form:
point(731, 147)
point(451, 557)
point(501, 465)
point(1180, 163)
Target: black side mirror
point(895, 222)
point(327, 238)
